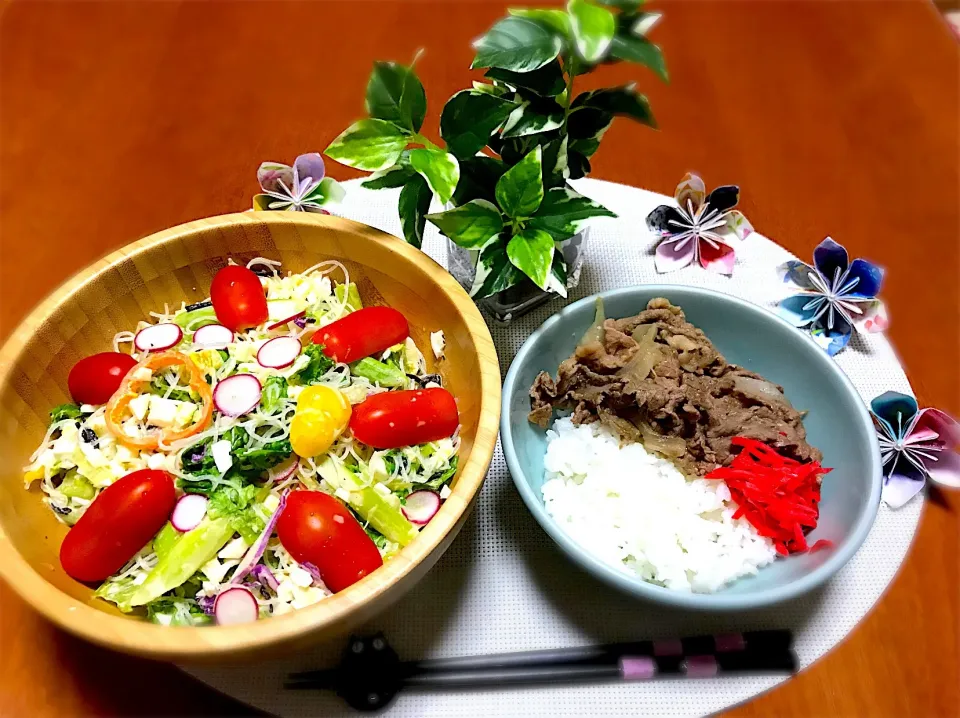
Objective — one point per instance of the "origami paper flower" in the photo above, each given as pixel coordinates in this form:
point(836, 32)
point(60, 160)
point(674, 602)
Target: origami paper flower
point(703, 228)
point(914, 445)
point(836, 296)
point(301, 188)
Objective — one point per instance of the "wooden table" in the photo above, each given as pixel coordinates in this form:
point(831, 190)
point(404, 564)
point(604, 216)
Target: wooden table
point(118, 119)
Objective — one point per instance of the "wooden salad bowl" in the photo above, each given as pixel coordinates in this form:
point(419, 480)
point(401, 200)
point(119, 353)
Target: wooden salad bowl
point(81, 318)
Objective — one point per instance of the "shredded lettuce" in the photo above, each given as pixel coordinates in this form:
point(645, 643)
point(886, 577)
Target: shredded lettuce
point(160, 386)
point(191, 551)
point(239, 506)
point(197, 318)
point(353, 296)
point(169, 611)
point(379, 372)
point(249, 460)
point(274, 391)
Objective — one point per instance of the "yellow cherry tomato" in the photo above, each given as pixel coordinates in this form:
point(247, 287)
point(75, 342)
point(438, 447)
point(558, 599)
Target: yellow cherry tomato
point(322, 415)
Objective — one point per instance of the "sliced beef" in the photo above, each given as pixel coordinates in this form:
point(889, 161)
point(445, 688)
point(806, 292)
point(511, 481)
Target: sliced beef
point(655, 375)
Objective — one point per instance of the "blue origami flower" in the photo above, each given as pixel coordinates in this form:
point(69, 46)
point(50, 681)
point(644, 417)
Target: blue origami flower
point(301, 188)
point(835, 296)
point(914, 445)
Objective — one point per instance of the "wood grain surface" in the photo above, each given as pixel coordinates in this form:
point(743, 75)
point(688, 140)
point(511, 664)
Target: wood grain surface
point(118, 119)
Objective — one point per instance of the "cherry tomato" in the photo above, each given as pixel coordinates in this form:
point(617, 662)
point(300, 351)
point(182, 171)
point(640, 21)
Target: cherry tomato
point(404, 418)
point(238, 298)
point(119, 522)
point(315, 527)
point(322, 415)
point(94, 379)
point(362, 333)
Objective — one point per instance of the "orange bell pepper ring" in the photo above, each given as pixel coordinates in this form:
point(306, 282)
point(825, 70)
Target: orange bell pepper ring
point(119, 403)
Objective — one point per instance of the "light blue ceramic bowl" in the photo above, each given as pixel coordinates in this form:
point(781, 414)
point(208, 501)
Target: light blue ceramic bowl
point(749, 335)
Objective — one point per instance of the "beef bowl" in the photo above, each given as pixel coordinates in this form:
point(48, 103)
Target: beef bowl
point(247, 421)
point(690, 448)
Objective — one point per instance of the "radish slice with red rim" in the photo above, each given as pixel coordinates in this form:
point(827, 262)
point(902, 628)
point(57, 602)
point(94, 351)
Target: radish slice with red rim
point(421, 506)
point(158, 337)
point(279, 352)
point(189, 512)
point(213, 336)
point(234, 606)
point(292, 318)
point(285, 470)
point(237, 394)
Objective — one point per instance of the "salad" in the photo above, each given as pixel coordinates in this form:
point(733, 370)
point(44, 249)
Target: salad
point(249, 454)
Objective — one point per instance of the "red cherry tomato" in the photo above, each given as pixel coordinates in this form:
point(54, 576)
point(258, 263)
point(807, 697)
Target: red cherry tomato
point(314, 527)
point(94, 379)
point(404, 418)
point(238, 298)
point(119, 522)
point(362, 333)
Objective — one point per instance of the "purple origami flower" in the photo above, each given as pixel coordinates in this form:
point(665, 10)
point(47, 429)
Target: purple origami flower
point(702, 228)
point(914, 445)
point(301, 188)
point(835, 296)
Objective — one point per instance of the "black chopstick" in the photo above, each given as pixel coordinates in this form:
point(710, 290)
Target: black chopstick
point(771, 640)
point(371, 673)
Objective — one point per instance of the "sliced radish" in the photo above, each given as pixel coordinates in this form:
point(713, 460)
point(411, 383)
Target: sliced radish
point(158, 337)
point(289, 319)
point(421, 506)
point(237, 394)
point(213, 336)
point(189, 512)
point(279, 352)
point(234, 606)
point(285, 471)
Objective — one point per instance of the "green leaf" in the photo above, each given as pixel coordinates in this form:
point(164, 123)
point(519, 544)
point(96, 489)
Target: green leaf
point(274, 390)
point(478, 177)
point(628, 5)
point(471, 225)
point(414, 203)
point(563, 213)
point(629, 47)
point(586, 146)
point(556, 20)
point(413, 101)
point(394, 93)
point(593, 29)
point(516, 43)
point(548, 81)
point(555, 166)
point(588, 123)
point(642, 23)
point(623, 101)
point(469, 118)
point(370, 145)
point(390, 178)
point(495, 272)
point(319, 365)
point(531, 251)
point(578, 164)
point(530, 118)
point(439, 168)
point(64, 411)
point(520, 190)
point(557, 281)
point(488, 89)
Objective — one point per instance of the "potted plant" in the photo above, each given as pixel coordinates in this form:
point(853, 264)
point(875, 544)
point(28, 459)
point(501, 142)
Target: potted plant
point(512, 142)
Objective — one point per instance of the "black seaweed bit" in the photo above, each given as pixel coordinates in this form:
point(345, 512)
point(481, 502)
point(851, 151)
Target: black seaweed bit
point(270, 608)
point(426, 379)
point(265, 593)
point(90, 437)
point(199, 305)
point(62, 510)
point(263, 272)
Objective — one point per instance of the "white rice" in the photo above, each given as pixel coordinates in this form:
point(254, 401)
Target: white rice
point(639, 513)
